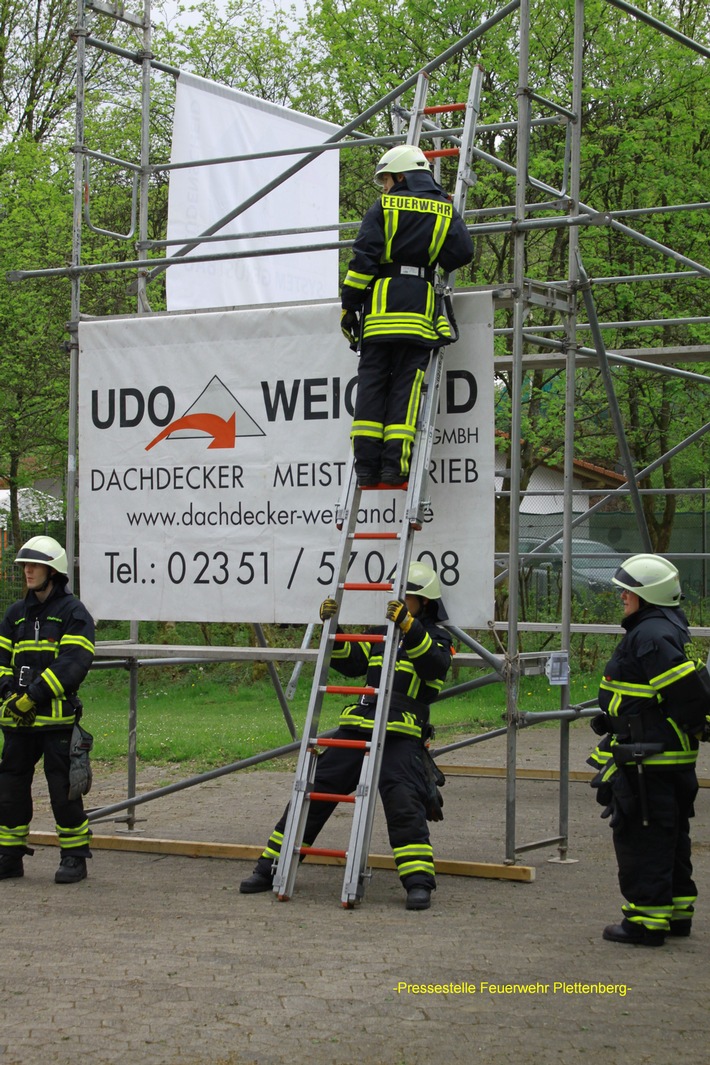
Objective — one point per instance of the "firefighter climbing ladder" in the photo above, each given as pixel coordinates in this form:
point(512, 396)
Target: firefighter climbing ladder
point(365, 796)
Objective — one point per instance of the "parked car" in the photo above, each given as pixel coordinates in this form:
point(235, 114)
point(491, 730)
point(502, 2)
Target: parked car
point(593, 565)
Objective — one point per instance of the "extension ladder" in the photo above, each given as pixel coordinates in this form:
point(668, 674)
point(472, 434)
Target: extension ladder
point(415, 507)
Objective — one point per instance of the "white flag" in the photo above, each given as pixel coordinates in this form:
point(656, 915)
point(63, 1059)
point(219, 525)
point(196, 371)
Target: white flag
point(212, 121)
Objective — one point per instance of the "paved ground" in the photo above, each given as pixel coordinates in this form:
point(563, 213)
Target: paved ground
point(159, 960)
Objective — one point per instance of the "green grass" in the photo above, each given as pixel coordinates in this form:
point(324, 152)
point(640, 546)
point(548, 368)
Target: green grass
point(212, 715)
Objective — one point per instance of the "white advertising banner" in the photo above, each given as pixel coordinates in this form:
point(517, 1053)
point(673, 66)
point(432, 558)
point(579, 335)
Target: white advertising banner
point(214, 122)
point(213, 448)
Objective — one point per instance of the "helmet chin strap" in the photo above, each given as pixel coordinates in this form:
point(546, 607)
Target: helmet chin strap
point(47, 581)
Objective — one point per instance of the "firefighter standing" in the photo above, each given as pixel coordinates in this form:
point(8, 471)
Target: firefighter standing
point(653, 707)
point(46, 650)
point(423, 660)
point(403, 237)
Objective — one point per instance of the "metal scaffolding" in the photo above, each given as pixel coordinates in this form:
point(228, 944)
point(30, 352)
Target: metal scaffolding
point(557, 345)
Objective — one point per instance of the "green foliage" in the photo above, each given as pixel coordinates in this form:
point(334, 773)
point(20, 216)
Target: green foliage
point(645, 126)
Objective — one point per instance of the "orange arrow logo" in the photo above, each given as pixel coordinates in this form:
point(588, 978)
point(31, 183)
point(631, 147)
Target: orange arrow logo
point(223, 432)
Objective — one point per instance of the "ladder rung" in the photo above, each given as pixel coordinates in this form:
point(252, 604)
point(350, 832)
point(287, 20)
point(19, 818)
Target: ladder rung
point(348, 689)
point(438, 153)
point(327, 796)
point(357, 744)
point(440, 109)
point(363, 586)
point(326, 852)
point(360, 637)
point(376, 536)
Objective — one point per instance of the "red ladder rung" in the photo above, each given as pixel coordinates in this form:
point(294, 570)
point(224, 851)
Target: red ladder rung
point(438, 153)
point(440, 109)
point(356, 744)
point(376, 536)
point(360, 637)
point(327, 796)
point(325, 852)
point(364, 586)
point(348, 689)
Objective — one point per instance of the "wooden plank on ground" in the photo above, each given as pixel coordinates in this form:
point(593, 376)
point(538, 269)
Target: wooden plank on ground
point(200, 849)
point(526, 774)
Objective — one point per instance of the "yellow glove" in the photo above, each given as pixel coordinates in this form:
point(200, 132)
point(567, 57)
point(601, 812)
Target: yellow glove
point(328, 609)
point(398, 613)
point(21, 709)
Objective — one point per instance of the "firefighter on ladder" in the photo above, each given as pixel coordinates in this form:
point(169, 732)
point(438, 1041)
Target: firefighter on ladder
point(409, 795)
point(413, 228)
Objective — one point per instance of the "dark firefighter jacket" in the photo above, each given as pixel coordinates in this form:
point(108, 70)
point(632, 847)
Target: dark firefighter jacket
point(46, 650)
point(423, 660)
point(403, 236)
point(651, 691)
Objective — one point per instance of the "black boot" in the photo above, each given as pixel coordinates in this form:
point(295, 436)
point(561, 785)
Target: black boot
point(261, 879)
point(72, 869)
point(637, 934)
point(255, 883)
point(418, 898)
point(11, 866)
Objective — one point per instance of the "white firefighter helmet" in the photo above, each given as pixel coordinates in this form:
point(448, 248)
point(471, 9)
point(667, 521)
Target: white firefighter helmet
point(44, 550)
point(651, 577)
point(399, 160)
point(423, 582)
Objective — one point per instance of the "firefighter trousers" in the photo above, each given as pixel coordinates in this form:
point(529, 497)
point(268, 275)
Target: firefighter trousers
point(403, 793)
point(21, 752)
point(655, 869)
point(389, 383)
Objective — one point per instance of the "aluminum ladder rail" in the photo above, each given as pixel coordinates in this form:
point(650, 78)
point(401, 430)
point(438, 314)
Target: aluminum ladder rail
point(416, 506)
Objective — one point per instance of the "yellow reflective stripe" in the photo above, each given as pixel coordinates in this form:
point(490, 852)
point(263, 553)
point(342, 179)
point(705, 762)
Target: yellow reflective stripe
point(414, 858)
point(672, 758)
point(379, 296)
point(36, 647)
point(5, 644)
point(359, 281)
point(684, 669)
point(399, 432)
point(407, 726)
point(362, 428)
point(414, 397)
point(14, 837)
point(407, 324)
point(273, 847)
point(391, 221)
point(422, 648)
point(53, 682)
point(621, 687)
point(77, 641)
point(655, 918)
point(438, 237)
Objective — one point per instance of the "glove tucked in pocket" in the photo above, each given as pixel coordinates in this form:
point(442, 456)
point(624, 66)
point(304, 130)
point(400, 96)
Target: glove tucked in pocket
point(80, 774)
point(435, 779)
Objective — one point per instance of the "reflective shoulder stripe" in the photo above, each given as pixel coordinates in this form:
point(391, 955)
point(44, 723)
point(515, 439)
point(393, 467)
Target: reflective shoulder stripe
point(438, 237)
